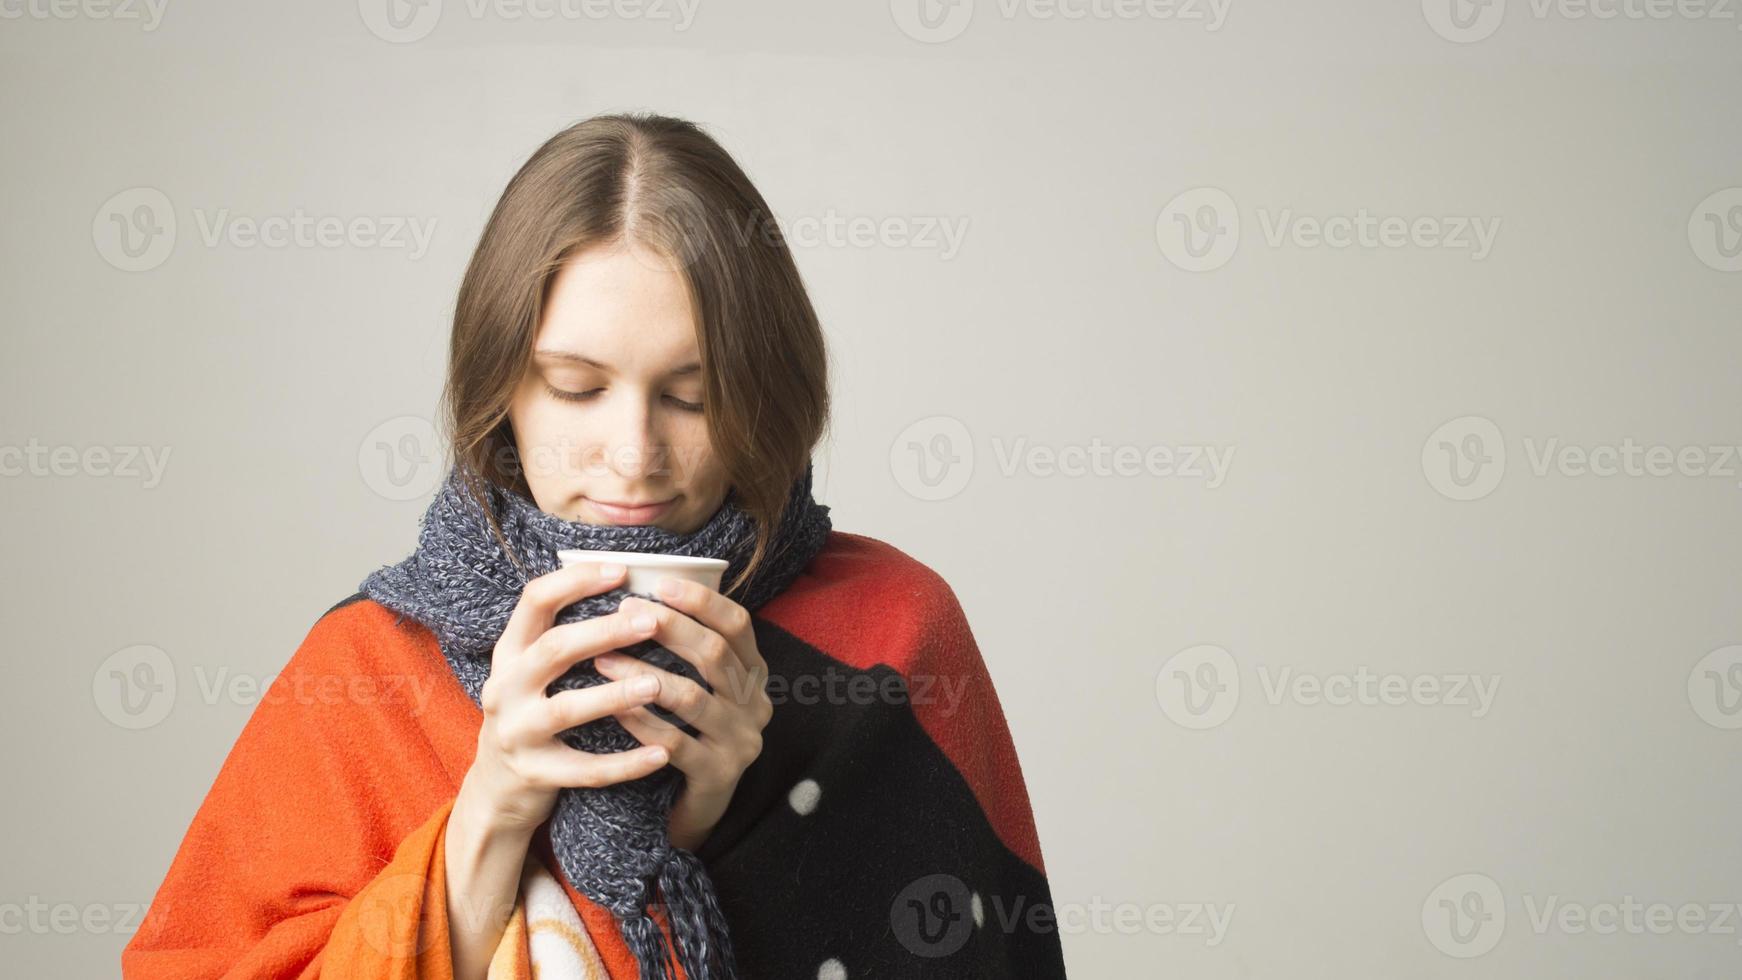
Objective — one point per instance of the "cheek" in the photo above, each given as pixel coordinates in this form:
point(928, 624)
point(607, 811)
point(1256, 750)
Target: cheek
point(693, 459)
point(523, 409)
point(546, 447)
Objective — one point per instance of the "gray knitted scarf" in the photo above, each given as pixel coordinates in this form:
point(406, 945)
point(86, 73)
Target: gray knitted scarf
point(613, 842)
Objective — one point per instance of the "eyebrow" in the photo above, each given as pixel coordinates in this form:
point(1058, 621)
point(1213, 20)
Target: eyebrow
point(569, 355)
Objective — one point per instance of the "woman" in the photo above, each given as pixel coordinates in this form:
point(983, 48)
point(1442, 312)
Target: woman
point(805, 773)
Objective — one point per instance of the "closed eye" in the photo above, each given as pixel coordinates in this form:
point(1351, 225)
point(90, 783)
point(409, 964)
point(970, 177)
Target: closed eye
point(582, 396)
point(571, 396)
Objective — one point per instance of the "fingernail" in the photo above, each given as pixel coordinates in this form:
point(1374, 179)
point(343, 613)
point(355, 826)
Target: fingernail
point(610, 570)
point(669, 588)
point(644, 622)
point(644, 685)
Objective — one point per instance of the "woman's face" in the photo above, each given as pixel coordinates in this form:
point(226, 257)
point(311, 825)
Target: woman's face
point(611, 411)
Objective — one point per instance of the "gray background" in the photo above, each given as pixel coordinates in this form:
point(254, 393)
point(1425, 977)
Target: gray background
point(281, 380)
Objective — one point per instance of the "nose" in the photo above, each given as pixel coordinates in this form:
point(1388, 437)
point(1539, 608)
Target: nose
point(634, 445)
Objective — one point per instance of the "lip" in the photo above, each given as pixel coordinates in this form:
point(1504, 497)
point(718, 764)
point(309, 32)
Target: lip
point(630, 513)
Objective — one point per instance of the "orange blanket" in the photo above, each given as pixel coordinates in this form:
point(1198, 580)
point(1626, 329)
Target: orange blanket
point(318, 850)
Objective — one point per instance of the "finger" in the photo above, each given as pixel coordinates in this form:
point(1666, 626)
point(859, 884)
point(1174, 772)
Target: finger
point(544, 595)
point(649, 729)
point(560, 647)
point(565, 766)
point(707, 650)
point(566, 709)
point(718, 613)
point(679, 695)
point(733, 749)
point(719, 664)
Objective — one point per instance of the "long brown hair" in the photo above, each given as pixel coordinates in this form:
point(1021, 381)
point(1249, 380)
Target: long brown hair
point(662, 183)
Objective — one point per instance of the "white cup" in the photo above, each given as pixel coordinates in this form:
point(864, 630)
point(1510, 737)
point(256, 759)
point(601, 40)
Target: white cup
point(646, 571)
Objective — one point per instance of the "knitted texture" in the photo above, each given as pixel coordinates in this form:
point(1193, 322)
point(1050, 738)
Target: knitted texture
point(612, 842)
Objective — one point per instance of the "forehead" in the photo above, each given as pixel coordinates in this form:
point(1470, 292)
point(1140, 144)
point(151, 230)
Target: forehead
point(620, 304)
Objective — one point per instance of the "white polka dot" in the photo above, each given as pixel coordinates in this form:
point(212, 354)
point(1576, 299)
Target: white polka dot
point(832, 969)
point(978, 909)
point(803, 799)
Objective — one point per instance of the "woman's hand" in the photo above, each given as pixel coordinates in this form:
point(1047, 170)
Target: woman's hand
point(521, 764)
point(713, 633)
